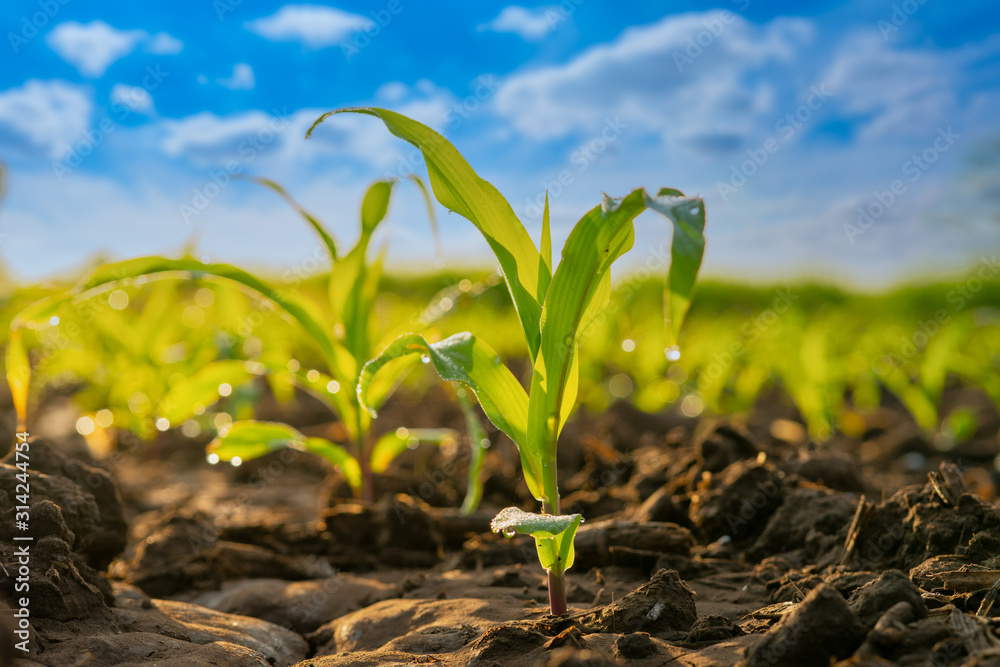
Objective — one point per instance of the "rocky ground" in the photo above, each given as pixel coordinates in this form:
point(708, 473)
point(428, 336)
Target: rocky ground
point(705, 543)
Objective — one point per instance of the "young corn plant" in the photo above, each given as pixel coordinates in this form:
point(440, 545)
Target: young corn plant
point(553, 307)
point(345, 340)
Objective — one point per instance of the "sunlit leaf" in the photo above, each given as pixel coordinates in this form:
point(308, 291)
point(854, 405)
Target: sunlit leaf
point(466, 359)
point(460, 189)
point(18, 375)
point(553, 534)
point(686, 251)
point(394, 443)
point(203, 388)
point(252, 439)
point(318, 226)
point(288, 300)
point(338, 456)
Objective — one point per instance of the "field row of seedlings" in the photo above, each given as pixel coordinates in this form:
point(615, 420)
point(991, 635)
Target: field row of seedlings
point(533, 466)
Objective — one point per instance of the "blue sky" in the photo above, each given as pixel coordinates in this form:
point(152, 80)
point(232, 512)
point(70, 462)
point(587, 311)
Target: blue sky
point(836, 141)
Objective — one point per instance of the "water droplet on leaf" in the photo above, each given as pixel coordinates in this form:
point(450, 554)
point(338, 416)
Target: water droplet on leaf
point(673, 353)
point(425, 359)
point(509, 532)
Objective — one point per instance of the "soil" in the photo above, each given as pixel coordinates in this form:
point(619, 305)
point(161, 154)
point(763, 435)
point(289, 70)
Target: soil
point(706, 542)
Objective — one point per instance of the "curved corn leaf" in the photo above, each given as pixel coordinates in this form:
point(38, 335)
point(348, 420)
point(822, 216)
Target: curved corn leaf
point(686, 251)
point(202, 388)
point(252, 439)
point(18, 365)
point(578, 292)
point(18, 376)
point(338, 456)
point(394, 443)
point(375, 204)
point(466, 359)
point(478, 444)
point(512, 520)
point(460, 189)
point(553, 534)
point(289, 301)
point(321, 231)
point(597, 240)
point(431, 215)
point(354, 282)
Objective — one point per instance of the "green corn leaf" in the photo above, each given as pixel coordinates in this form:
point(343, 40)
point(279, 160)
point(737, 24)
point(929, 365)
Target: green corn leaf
point(394, 443)
point(466, 359)
point(202, 388)
point(338, 456)
point(162, 298)
point(478, 444)
point(18, 375)
point(597, 240)
point(252, 439)
point(553, 534)
point(460, 189)
point(512, 520)
point(375, 204)
point(546, 245)
point(431, 214)
point(353, 281)
point(18, 365)
point(388, 379)
point(686, 251)
point(341, 398)
point(545, 252)
point(321, 230)
point(298, 308)
point(578, 292)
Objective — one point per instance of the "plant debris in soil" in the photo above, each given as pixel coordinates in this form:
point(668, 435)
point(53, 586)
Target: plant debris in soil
point(705, 544)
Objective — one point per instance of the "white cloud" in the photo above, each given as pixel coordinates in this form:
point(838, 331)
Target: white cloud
point(711, 96)
point(902, 92)
point(92, 47)
point(392, 91)
point(529, 24)
point(241, 79)
point(195, 135)
point(45, 116)
point(313, 25)
point(211, 140)
point(133, 98)
point(163, 44)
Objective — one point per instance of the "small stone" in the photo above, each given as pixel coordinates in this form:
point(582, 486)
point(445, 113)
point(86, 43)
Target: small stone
point(635, 646)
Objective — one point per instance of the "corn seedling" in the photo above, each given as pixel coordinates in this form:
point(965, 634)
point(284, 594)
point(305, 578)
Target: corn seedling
point(345, 340)
point(553, 308)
